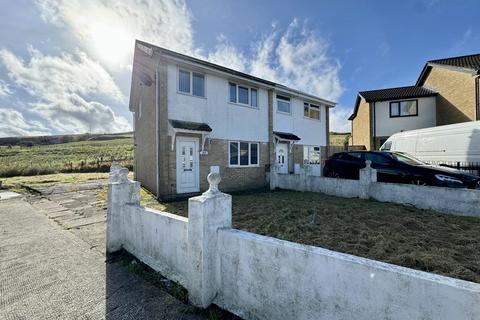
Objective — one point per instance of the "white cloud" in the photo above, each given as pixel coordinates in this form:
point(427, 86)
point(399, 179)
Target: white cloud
point(104, 31)
point(4, 89)
point(338, 119)
point(60, 85)
point(107, 28)
point(12, 124)
point(300, 59)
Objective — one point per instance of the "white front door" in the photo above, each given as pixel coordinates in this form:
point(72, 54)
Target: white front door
point(282, 157)
point(187, 165)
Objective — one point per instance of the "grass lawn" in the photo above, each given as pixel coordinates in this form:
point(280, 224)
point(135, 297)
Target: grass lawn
point(401, 235)
point(80, 156)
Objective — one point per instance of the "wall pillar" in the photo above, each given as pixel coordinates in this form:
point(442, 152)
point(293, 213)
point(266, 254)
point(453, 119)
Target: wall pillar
point(368, 175)
point(121, 191)
point(206, 214)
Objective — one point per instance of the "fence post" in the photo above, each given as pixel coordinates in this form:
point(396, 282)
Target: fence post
point(368, 175)
point(206, 214)
point(121, 191)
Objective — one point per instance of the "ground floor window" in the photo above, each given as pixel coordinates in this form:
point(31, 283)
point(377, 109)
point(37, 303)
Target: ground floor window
point(243, 154)
point(311, 155)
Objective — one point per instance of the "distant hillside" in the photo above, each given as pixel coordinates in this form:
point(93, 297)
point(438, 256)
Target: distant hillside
point(46, 140)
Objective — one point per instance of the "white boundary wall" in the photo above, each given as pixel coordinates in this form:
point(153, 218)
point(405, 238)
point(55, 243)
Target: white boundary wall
point(447, 200)
point(258, 277)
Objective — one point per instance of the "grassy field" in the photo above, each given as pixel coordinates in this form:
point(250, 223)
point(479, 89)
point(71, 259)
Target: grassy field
point(406, 236)
point(81, 156)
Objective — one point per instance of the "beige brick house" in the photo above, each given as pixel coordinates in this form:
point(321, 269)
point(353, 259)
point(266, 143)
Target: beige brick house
point(192, 117)
point(446, 92)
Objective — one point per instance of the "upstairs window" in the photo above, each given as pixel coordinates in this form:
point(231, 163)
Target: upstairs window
point(191, 83)
point(311, 111)
point(408, 108)
point(283, 104)
point(243, 154)
point(242, 95)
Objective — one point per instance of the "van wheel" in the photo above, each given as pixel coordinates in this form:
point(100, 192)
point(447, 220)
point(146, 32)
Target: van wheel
point(418, 182)
point(334, 174)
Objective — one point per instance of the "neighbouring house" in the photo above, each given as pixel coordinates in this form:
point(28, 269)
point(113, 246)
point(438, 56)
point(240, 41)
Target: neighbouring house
point(192, 117)
point(446, 92)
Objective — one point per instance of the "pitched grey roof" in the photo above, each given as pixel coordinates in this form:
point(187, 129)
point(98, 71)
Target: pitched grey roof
point(391, 94)
point(397, 93)
point(468, 62)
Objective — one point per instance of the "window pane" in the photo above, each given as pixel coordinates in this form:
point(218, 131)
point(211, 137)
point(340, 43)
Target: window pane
point(184, 81)
point(306, 109)
point(198, 85)
point(394, 112)
point(377, 159)
point(253, 93)
point(314, 112)
point(283, 106)
point(243, 95)
point(233, 92)
point(408, 108)
point(314, 156)
point(253, 153)
point(233, 153)
point(244, 153)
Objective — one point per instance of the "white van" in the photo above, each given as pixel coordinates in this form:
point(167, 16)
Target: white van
point(451, 144)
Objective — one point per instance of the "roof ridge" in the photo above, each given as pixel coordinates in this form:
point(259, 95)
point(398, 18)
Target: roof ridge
point(404, 87)
point(456, 57)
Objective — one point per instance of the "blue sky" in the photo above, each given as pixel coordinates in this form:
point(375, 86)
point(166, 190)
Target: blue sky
point(65, 64)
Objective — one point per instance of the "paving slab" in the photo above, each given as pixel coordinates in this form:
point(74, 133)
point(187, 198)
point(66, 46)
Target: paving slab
point(47, 272)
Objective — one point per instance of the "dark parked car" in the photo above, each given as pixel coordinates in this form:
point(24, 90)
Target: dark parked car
point(398, 167)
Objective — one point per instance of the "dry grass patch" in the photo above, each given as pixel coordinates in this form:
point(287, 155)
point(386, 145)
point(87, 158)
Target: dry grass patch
point(419, 239)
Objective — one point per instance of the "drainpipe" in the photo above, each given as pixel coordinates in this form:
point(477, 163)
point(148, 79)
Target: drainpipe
point(157, 129)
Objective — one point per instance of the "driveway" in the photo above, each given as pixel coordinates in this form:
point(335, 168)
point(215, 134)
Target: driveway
point(47, 271)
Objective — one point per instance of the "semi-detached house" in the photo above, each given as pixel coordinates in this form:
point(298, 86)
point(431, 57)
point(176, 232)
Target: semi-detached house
point(192, 117)
point(446, 92)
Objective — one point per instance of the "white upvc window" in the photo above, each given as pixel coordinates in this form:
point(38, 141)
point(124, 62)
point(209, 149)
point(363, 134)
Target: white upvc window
point(192, 83)
point(242, 95)
point(311, 155)
point(243, 154)
point(283, 104)
point(311, 111)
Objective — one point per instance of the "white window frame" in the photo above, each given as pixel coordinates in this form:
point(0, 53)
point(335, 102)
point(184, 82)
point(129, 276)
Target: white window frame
point(312, 106)
point(250, 165)
point(307, 149)
point(191, 72)
point(249, 104)
point(289, 102)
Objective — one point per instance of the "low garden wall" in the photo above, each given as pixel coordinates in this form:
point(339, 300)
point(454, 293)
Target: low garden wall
point(259, 277)
point(446, 200)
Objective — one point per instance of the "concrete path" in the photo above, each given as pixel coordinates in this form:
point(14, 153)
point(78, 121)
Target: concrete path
point(47, 272)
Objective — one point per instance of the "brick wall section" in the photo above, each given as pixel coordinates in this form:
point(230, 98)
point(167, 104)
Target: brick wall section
point(144, 123)
point(456, 98)
point(164, 146)
point(233, 179)
point(297, 155)
point(362, 126)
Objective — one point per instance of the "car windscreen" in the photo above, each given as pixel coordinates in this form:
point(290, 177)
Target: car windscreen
point(408, 159)
point(386, 146)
